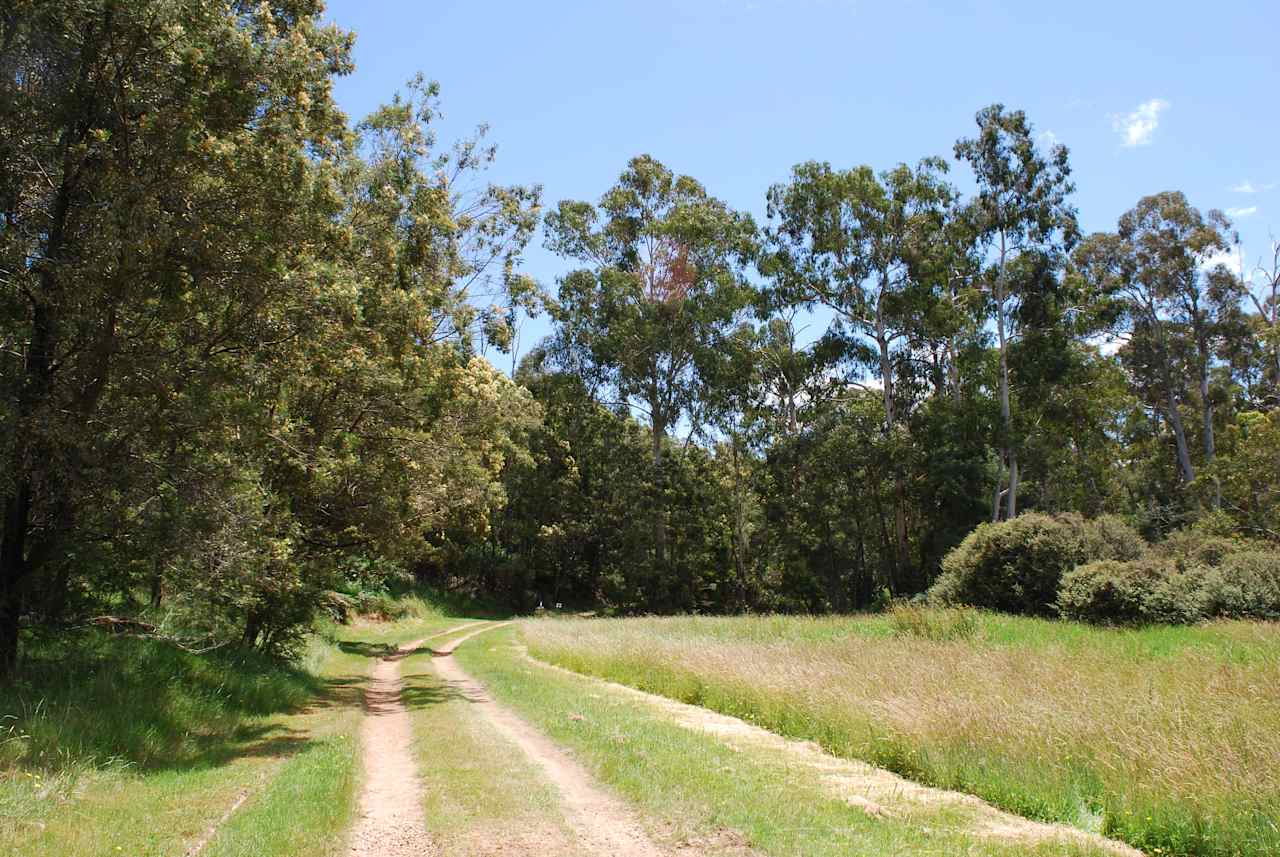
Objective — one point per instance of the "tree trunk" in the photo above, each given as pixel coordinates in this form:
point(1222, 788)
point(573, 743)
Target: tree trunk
point(13, 568)
point(1185, 469)
point(1180, 437)
point(1007, 450)
point(252, 628)
point(1013, 483)
point(38, 370)
point(902, 556)
point(1006, 419)
point(1206, 413)
point(659, 433)
point(740, 538)
point(157, 586)
point(10, 613)
point(999, 491)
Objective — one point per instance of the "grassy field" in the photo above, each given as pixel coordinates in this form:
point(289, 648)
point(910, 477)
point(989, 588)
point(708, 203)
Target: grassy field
point(1161, 737)
point(696, 790)
point(118, 745)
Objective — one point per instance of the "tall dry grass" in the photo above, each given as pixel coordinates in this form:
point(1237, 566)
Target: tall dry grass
point(1166, 738)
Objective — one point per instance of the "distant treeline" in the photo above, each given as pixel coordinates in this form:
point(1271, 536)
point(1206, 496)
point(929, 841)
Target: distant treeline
point(242, 353)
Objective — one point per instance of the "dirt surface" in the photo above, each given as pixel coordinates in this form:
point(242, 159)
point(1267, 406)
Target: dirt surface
point(602, 824)
point(390, 822)
point(870, 789)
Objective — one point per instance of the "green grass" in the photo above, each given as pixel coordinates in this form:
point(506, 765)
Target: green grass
point(1164, 737)
point(99, 700)
point(696, 788)
point(119, 745)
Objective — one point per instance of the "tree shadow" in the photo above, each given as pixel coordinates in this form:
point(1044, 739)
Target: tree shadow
point(364, 649)
point(97, 699)
point(423, 690)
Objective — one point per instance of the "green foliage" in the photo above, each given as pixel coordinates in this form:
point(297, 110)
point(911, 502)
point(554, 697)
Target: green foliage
point(1139, 592)
point(99, 699)
point(1243, 472)
point(253, 386)
point(1245, 585)
point(1184, 580)
point(1016, 566)
point(258, 363)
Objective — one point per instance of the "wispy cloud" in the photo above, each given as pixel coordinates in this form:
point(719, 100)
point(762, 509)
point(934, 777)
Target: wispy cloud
point(1247, 186)
point(1247, 211)
point(1049, 138)
point(1137, 128)
point(1228, 258)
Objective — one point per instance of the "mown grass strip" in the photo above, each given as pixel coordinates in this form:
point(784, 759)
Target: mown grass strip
point(480, 793)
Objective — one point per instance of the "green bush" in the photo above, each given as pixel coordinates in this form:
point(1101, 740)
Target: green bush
point(1183, 580)
point(1015, 566)
point(1145, 591)
point(1197, 548)
point(1245, 585)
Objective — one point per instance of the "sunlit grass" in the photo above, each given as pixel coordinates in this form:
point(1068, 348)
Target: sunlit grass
point(694, 788)
point(1164, 737)
point(120, 743)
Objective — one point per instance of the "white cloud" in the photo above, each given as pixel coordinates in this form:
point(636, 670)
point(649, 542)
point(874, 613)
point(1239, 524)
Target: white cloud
point(1237, 213)
point(1137, 127)
point(1247, 186)
point(1049, 138)
point(1107, 343)
point(1230, 259)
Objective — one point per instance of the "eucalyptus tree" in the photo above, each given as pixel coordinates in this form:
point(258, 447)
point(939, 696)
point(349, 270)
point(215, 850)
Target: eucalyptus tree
point(664, 282)
point(1021, 206)
point(853, 242)
point(1264, 297)
point(949, 328)
point(1157, 266)
point(791, 380)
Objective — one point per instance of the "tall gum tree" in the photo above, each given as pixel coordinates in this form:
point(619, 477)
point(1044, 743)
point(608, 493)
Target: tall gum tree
point(1021, 206)
point(1156, 265)
point(664, 282)
point(851, 241)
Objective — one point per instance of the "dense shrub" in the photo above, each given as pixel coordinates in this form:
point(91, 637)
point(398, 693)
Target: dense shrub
point(1184, 579)
point(1245, 585)
point(1016, 566)
point(1145, 591)
point(1193, 547)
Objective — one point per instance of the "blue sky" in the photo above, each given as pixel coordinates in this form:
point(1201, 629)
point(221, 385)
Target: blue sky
point(1148, 96)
